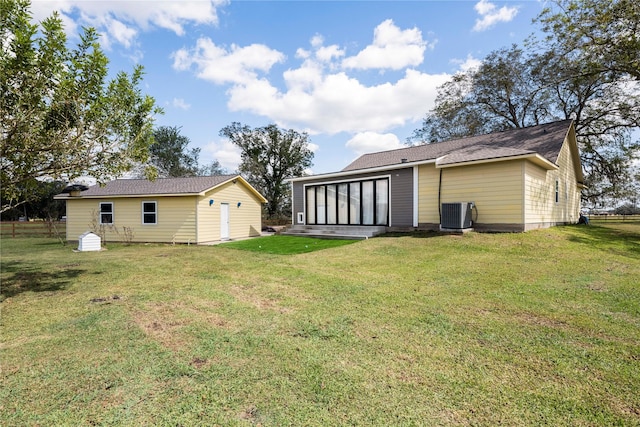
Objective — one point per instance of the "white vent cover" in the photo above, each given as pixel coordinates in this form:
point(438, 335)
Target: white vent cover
point(89, 242)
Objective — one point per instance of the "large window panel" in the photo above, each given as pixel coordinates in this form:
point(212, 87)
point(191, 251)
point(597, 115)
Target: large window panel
point(321, 208)
point(343, 204)
point(382, 201)
point(332, 207)
point(367, 203)
point(311, 205)
point(354, 203)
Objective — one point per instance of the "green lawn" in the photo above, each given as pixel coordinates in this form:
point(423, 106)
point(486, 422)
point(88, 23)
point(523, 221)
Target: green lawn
point(286, 245)
point(541, 328)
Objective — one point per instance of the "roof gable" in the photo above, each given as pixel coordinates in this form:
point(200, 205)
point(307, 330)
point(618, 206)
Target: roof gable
point(544, 140)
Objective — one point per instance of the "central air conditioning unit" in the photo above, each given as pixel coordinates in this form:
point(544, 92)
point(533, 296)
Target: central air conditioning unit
point(456, 215)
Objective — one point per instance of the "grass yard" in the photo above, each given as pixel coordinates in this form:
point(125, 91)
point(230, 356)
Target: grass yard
point(286, 245)
point(541, 328)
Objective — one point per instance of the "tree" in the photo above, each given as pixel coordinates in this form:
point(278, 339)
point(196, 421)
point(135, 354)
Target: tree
point(42, 205)
point(604, 34)
point(270, 155)
point(512, 89)
point(213, 168)
point(59, 116)
point(505, 92)
point(170, 156)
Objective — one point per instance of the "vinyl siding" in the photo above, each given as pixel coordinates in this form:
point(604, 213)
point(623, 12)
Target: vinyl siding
point(402, 198)
point(175, 219)
point(496, 189)
point(540, 202)
point(428, 177)
point(298, 201)
point(244, 221)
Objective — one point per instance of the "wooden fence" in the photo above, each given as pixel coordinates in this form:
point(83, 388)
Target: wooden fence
point(33, 229)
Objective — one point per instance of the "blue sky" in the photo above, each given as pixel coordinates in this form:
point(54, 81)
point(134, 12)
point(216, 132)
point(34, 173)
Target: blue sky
point(358, 76)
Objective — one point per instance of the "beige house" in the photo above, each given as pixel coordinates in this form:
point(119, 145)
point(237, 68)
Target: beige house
point(516, 180)
point(195, 210)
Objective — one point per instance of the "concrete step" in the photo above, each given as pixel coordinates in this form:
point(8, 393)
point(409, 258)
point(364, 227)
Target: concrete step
point(335, 231)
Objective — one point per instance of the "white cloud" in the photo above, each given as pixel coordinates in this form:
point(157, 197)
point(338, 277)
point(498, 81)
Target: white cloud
point(372, 142)
point(219, 65)
point(491, 15)
point(333, 103)
point(225, 152)
point(392, 48)
point(318, 95)
point(468, 64)
point(180, 103)
point(326, 54)
point(121, 20)
point(120, 32)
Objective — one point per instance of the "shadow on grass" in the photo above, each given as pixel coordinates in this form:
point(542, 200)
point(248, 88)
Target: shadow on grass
point(21, 277)
point(417, 234)
point(622, 242)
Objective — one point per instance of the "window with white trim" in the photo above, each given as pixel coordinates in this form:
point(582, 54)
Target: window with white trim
point(149, 213)
point(106, 213)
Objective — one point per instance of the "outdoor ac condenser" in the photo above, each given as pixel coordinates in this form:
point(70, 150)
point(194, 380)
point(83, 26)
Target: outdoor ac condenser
point(456, 215)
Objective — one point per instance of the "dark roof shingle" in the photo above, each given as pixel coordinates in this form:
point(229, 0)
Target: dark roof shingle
point(546, 140)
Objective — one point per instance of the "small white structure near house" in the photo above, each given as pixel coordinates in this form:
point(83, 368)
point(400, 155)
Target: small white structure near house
point(89, 241)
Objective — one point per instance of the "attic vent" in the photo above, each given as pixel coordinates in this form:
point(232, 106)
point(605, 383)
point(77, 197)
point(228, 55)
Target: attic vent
point(456, 215)
point(404, 160)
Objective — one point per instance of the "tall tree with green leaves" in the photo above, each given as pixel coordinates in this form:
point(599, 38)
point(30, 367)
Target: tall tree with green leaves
point(514, 88)
point(213, 168)
point(170, 155)
point(60, 118)
point(270, 155)
point(604, 34)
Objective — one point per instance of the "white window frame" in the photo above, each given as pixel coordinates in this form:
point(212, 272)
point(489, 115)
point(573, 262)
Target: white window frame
point(100, 213)
point(155, 212)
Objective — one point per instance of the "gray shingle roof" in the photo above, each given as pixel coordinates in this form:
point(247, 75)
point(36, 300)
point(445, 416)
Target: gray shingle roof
point(546, 140)
point(133, 187)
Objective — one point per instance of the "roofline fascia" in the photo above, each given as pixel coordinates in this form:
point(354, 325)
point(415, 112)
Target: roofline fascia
point(534, 157)
point(201, 193)
point(120, 196)
point(360, 171)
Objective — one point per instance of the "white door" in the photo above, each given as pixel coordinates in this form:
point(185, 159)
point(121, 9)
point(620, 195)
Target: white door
point(224, 221)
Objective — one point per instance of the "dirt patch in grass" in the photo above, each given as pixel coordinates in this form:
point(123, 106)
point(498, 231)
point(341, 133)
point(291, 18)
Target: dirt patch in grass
point(251, 414)
point(165, 330)
point(537, 320)
point(163, 323)
point(166, 322)
point(248, 294)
